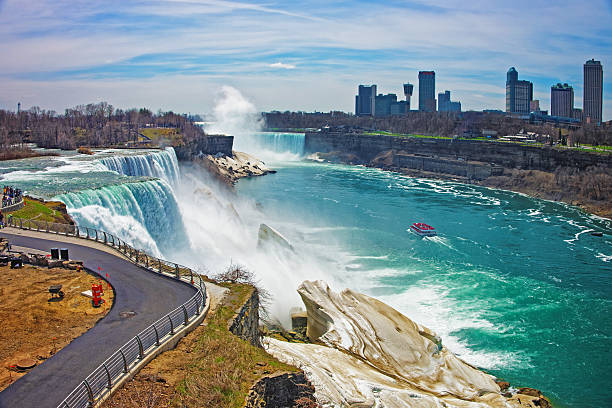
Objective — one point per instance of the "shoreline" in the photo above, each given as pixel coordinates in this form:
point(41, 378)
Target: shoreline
point(19, 154)
point(514, 180)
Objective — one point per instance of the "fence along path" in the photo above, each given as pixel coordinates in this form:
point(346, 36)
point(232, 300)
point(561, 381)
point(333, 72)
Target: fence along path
point(99, 383)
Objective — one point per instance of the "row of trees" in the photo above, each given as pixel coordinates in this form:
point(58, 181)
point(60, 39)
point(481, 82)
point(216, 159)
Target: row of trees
point(97, 124)
point(441, 124)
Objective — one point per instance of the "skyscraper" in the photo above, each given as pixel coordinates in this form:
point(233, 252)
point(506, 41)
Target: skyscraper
point(519, 94)
point(383, 103)
point(408, 87)
point(365, 101)
point(562, 100)
point(593, 91)
point(427, 91)
point(446, 105)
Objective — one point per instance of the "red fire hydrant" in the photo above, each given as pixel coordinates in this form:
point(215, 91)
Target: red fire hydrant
point(96, 294)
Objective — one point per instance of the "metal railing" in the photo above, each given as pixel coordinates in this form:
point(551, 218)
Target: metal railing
point(119, 364)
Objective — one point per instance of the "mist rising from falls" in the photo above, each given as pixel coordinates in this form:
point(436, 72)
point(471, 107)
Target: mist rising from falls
point(235, 115)
point(223, 229)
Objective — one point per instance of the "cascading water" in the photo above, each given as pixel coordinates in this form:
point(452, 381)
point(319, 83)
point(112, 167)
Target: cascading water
point(161, 164)
point(144, 213)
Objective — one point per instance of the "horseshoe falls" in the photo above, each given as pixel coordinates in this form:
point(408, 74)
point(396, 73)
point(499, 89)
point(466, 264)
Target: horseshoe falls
point(271, 146)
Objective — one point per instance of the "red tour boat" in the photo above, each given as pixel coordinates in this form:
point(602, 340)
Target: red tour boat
point(422, 229)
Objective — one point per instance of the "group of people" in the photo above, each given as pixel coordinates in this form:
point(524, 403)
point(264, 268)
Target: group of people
point(11, 196)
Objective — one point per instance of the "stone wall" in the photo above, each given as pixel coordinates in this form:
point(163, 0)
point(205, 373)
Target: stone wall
point(245, 323)
point(282, 390)
point(509, 155)
point(208, 144)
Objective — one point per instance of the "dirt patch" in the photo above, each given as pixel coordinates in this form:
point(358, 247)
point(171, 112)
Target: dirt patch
point(35, 325)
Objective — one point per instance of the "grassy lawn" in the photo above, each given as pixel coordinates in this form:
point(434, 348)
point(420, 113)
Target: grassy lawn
point(210, 367)
point(50, 211)
point(156, 134)
point(385, 133)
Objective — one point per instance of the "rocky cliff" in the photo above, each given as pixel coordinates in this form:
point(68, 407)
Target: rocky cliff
point(204, 145)
point(509, 155)
point(367, 354)
point(245, 323)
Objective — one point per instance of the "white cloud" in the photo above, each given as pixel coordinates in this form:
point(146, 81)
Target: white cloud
point(282, 65)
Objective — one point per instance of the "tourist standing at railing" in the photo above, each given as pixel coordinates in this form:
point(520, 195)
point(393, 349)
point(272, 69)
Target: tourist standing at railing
point(10, 196)
point(1, 220)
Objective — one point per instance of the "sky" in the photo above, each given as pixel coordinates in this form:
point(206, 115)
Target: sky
point(292, 55)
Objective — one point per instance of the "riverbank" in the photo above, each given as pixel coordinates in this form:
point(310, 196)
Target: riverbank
point(579, 178)
point(23, 153)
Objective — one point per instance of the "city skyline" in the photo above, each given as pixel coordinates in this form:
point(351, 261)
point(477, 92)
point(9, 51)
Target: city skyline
point(176, 55)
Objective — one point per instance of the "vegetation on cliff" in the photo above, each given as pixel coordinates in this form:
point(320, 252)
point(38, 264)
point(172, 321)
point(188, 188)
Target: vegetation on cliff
point(210, 367)
point(40, 210)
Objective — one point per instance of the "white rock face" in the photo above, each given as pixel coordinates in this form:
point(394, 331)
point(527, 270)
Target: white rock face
point(267, 234)
point(370, 355)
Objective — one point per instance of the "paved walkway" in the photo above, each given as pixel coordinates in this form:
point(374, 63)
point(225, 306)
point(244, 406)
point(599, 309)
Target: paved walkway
point(150, 295)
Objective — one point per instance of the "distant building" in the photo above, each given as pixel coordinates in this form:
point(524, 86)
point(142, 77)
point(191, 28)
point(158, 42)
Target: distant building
point(519, 94)
point(383, 103)
point(427, 91)
point(446, 105)
point(577, 114)
point(593, 91)
point(534, 106)
point(562, 100)
point(365, 101)
point(400, 108)
point(408, 87)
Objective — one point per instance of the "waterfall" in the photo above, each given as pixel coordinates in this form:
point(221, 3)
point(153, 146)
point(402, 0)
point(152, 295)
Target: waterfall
point(282, 142)
point(144, 214)
point(271, 145)
point(160, 164)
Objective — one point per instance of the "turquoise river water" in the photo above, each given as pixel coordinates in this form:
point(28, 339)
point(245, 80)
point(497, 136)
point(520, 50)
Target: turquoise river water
point(514, 285)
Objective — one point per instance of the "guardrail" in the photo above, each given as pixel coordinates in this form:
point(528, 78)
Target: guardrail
point(14, 207)
point(118, 365)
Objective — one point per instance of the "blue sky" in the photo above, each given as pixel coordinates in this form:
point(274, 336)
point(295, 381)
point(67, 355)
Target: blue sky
point(293, 55)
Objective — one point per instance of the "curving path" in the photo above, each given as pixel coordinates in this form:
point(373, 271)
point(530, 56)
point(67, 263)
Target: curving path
point(150, 295)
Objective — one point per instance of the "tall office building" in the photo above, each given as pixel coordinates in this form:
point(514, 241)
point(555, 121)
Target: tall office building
point(593, 91)
point(562, 100)
point(519, 94)
point(446, 105)
point(383, 103)
point(427, 91)
point(408, 93)
point(365, 101)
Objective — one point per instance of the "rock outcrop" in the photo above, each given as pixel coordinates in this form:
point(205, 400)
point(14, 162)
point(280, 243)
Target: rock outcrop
point(230, 168)
point(245, 323)
point(369, 355)
point(281, 390)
